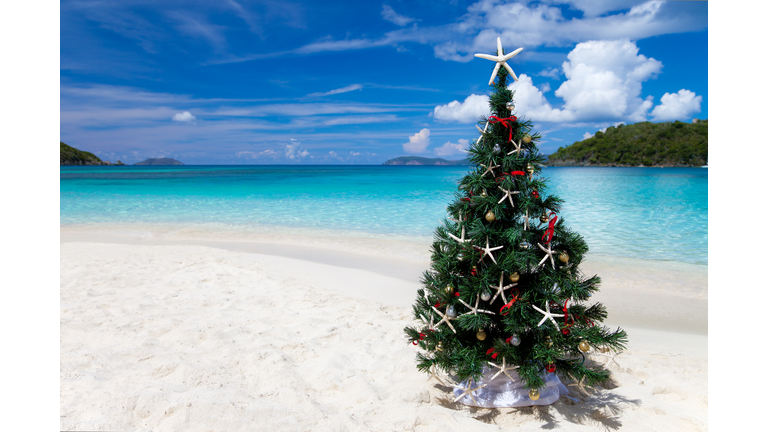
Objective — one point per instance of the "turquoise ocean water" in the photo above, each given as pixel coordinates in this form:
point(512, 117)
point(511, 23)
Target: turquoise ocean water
point(647, 213)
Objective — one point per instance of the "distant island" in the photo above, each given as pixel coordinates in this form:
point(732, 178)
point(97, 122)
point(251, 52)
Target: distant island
point(668, 144)
point(159, 161)
point(416, 160)
point(69, 155)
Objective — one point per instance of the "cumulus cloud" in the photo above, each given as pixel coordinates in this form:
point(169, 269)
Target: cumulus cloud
point(469, 111)
point(294, 151)
point(185, 117)
point(353, 153)
point(603, 83)
point(450, 149)
point(676, 106)
point(604, 80)
point(545, 87)
point(418, 142)
point(390, 15)
point(587, 135)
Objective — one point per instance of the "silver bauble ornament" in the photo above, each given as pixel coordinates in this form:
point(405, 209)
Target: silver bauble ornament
point(515, 341)
point(451, 312)
point(485, 296)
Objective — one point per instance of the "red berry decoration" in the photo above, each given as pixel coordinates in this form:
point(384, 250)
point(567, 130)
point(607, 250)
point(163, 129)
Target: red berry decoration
point(566, 331)
point(535, 194)
point(551, 367)
point(474, 271)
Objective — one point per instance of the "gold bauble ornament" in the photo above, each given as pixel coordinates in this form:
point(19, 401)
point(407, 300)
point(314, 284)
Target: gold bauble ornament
point(584, 346)
point(481, 334)
point(490, 217)
point(439, 346)
point(563, 257)
point(514, 277)
point(510, 106)
point(533, 394)
point(527, 139)
point(548, 342)
point(529, 168)
point(524, 245)
point(543, 218)
point(484, 193)
point(449, 290)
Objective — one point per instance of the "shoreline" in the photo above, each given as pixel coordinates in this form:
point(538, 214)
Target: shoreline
point(656, 295)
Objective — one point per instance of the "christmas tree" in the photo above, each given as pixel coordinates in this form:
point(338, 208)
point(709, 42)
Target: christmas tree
point(504, 300)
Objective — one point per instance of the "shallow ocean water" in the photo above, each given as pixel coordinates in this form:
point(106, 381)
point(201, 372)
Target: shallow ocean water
point(646, 213)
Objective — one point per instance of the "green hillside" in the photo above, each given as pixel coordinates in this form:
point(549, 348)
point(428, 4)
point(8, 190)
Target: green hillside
point(648, 144)
point(71, 156)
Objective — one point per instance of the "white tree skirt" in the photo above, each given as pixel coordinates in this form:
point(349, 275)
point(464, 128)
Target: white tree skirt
point(502, 392)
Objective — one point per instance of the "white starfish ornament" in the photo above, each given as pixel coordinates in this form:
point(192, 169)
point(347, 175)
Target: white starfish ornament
point(500, 289)
point(433, 374)
point(488, 250)
point(468, 391)
point(475, 310)
point(518, 148)
point(503, 369)
point(482, 131)
point(462, 239)
point(547, 315)
point(489, 169)
point(507, 194)
point(446, 319)
point(549, 254)
point(501, 60)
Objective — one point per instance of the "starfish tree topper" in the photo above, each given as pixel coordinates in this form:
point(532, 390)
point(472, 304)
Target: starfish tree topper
point(501, 60)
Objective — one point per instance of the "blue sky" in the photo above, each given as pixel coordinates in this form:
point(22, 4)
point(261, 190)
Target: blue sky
point(341, 82)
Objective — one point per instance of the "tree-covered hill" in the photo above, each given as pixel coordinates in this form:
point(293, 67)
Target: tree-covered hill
point(648, 144)
point(71, 156)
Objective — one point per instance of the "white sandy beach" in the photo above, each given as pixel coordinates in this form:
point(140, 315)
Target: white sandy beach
point(221, 337)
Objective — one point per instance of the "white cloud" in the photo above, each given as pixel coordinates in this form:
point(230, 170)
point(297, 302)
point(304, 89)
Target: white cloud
point(390, 15)
point(552, 72)
point(332, 154)
point(417, 143)
point(346, 89)
point(593, 8)
point(293, 150)
point(545, 87)
point(185, 117)
point(530, 102)
point(535, 24)
point(587, 135)
point(255, 155)
point(603, 83)
point(449, 148)
point(469, 111)
point(676, 106)
point(352, 154)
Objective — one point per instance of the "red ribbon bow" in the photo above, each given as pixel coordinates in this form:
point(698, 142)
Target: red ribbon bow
point(511, 302)
point(551, 230)
point(491, 351)
point(501, 177)
point(504, 121)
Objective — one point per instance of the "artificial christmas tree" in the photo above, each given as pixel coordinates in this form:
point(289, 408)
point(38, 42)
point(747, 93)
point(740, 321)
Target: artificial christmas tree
point(501, 308)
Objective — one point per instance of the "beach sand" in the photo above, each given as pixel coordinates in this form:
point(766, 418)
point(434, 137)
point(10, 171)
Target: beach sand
point(234, 336)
